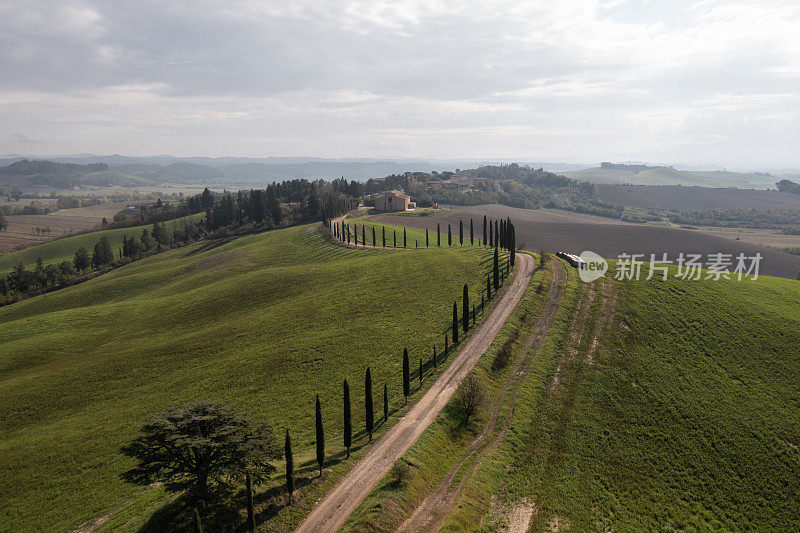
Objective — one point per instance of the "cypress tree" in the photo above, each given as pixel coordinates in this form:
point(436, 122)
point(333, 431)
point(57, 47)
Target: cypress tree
point(449, 236)
point(348, 234)
point(320, 437)
point(513, 253)
point(471, 234)
point(404, 237)
point(251, 515)
point(491, 234)
point(438, 235)
point(383, 231)
point(496, 234)
point(455, 324)
point(420, 369)
point(368, 404)
point(502, 234)
point(355, 235)
point(348, 420)
point(473, 315)
point(373, 236)
point(287, 451)
point(385, 403)
point(482, 303)
point(434, 357)
point(445, 346)
point(461, 233)
point(426, 237)
point(496, 269)
point(465, 310)
point(484, 231)
point(197, 525)
point(363, 235)
point(406, 377)
point(488, 287)
point(394, 235)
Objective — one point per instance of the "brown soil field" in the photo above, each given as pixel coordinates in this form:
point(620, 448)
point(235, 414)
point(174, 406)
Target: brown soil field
point(20, 233)
point(96, 212)
point(761, 237)
point(695, 198)
point(545, 230)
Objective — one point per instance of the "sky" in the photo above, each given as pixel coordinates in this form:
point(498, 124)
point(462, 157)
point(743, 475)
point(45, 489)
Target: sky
point(698, 82)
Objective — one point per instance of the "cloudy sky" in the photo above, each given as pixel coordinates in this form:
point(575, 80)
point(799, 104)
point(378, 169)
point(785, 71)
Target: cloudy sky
point(712, 82)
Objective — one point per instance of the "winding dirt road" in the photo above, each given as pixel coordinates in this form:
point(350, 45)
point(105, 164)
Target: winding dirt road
point(332, 511)
point(431, 514)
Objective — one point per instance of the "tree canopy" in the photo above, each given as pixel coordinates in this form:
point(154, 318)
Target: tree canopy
point(200, 446)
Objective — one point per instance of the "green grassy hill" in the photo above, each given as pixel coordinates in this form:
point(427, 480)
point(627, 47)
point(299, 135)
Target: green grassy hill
point(650, 406)
point(670, 176)
point(64, 249)
point(263, 322)
point(686, 417)
point(689, 419)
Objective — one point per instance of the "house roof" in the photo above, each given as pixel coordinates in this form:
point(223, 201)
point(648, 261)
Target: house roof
point(396, 194)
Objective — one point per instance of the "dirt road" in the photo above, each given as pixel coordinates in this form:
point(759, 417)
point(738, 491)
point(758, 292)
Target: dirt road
point(434, 509)
point(332, 511)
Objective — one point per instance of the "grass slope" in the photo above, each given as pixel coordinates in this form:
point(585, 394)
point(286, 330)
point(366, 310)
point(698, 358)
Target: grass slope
point(263, 321)
point(64, 249)
point(686, 420)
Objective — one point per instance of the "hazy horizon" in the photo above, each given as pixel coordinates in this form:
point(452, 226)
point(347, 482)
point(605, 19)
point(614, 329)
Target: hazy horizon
point(707, 83)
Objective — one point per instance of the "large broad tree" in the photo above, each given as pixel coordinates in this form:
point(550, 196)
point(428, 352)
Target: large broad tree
point(198, 447)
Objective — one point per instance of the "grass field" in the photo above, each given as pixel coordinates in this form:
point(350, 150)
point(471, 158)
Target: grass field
point(64, 249)
point(685, 418)
point(669, 176)
point(264, 322)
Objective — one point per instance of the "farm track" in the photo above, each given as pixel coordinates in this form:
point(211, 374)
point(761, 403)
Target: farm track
point(334, 509)
point(431, 514)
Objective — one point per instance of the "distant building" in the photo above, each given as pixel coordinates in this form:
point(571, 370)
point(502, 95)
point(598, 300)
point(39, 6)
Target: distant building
point(394, 201)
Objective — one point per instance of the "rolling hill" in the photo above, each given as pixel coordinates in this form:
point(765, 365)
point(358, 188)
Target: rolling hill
point(650, 405)
point(263, 322)
point(670, 176)
point(64, 249)
point(681, 198)
point(681, 414)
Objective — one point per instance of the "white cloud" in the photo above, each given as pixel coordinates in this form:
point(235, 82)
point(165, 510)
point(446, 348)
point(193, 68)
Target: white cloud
point(422, 78)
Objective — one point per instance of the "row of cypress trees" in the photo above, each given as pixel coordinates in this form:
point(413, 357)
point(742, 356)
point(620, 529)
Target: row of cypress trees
point(344, 232)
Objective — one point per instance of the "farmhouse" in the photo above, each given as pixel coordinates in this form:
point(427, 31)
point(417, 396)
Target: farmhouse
point(394, 201)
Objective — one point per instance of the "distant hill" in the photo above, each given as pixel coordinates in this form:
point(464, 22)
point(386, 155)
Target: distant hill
point(27, 173)
point(619, 174)
point(244, 171)
point(679, 198)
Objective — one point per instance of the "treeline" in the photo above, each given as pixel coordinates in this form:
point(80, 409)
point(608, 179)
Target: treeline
point(279, 205)
point(33, 208)
point(788, 186)
point(742, 218)
point(52, 173)
point(519, 186)
point(22, 283)
point(305, 201)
